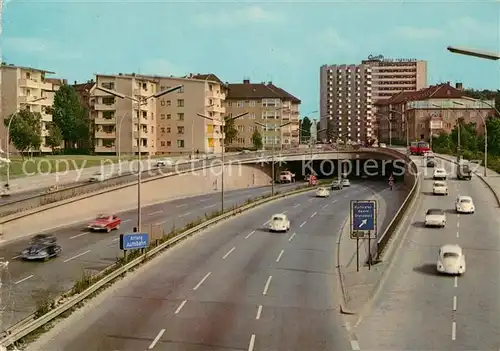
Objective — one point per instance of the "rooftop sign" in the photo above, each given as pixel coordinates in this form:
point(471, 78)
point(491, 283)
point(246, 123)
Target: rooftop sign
point(382, 59)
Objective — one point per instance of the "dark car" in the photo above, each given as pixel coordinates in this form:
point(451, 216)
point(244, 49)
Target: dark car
point(431, 163)
point(41, 247)
point(337, 185)
point(464, 172)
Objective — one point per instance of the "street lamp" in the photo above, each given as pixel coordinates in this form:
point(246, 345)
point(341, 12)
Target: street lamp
point(141, 101)
point(390, 126)
point(475, 53)
point(223, 146)
point(7, 149)
point(274, 143)
point(402, 114)
point(458, 122)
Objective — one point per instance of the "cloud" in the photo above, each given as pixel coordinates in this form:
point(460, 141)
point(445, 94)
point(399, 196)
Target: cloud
point(40, 47)
point(251, 14)
point(161, 67)
point(418, 33)
point(331, 37)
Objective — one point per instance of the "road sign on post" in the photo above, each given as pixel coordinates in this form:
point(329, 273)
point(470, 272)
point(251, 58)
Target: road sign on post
point(363, 219)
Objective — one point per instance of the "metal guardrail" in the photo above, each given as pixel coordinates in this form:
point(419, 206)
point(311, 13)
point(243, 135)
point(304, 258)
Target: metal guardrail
point(30, 324)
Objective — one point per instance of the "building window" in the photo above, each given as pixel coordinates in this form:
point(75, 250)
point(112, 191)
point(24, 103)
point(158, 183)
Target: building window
point(181, 90)
point(169, 116)
point(240, 104)
point(180, 143)
point(162, 143)
point(180, 102)
point(169, 103)
point(108, 100)
point(162, 102)
point(169, 129)
point(251, 115)
point(107, 85)
point(162, 116)
point(180, 130)
point(162, 129)
point(108, 114)
point(169, 143)
point(180, 116)
point(252, 103)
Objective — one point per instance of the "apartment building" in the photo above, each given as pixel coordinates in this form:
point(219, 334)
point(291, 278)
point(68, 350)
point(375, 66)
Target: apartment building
point(169, 124)
point(29, 88)
point(266, 104)
point(429, 111)
point(346, 103)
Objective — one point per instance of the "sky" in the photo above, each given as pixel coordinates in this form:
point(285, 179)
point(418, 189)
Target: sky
point(285, 42)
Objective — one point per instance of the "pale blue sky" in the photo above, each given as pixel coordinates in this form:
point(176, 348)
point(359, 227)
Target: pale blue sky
point(282, 41)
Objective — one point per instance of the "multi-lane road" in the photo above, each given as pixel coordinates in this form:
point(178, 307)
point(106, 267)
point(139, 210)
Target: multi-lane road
point(417, 309)
point(234, 286)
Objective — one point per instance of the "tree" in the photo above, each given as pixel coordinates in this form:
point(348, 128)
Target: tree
point(257, 139)
point(485, 95)
point(305, 129)
point(25, 130)
point(54, 138)
point(70, 117)
point(230, 130)
point(493, 126)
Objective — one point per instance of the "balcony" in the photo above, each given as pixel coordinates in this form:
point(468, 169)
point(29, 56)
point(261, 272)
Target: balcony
point(29, 83)
point(144, 134)
point(105, 135)
point(141, 92)
point(107, 121)
point(105, 149)
point(217, 109)
point(105, 107)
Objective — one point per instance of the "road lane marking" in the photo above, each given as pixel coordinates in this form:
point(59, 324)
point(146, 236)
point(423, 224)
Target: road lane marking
point(284, 212)
point(180, 307)
point(160, 223)
point(249, 235)
point(355, 345)
point(267, 222)
point(454, 303)
point(204, 200)
point(267, 285)
point(453, 331)
point(279, 256)
point(303, 224)
point(155, 213)
point(180, 206)
point(259, 312)
point(334, 201)
point(458, 234)
point(202, 280)
point(295, 206)
point(115, 240)
point(209, 206)
point(324, 207)
point(24, 279)
point(346, 195)
point(155, 341)
point(16, 257)
point(185, 214)
point(78, 235)
point(458, 224)
point(456, 282)
point(291, 237)
point(314, 214)
point(127, 220)
point(76, 256)
point(228, 253)
point(252, 343)
point(311, 200)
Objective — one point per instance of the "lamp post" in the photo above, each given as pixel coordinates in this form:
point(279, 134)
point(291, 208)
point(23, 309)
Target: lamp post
point(223, 147)
point(140, 101)
point(475, 53)
point(458, 123)
point(390, 126)
point(272, 157)
point(7, 148)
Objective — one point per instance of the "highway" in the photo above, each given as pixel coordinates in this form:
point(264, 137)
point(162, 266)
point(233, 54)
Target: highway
point(234, 286)
point(418, 310)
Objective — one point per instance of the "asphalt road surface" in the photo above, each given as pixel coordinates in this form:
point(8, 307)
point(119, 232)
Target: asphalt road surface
point(420, 310)
point(234, 286)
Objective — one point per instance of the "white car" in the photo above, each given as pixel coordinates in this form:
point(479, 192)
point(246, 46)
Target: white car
point(464, 204)
point(279, 223)
point(429, 154)
point(435, 218)
point(440, 174)
point(322, 192)
point(99, 177)
point(382, 145)
point(451, 260)
point(346, 182)
point(440, 188)
point(164, 162)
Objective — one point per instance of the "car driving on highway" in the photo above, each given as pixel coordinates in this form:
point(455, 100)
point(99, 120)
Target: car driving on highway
point(99, 177)
point(279, 223)
point(464, 204)
point(440, 174)
point(336, 185)
point(41, 247)
point(435, 218)
point(322, 192)
point(451, 260)
point(431, 163)
point(164, 162)
point(105, 222)
point(346, 182)
point(440, 188)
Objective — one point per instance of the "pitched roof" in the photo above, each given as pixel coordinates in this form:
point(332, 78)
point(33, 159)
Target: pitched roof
point(208, 76)
point(440, 91)
point(84, 87)
point(247, 90)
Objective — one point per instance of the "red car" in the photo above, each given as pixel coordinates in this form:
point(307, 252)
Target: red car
point(419, 148)
point(105, 222)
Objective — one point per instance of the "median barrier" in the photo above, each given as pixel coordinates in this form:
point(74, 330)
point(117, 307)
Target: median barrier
point(31, 323)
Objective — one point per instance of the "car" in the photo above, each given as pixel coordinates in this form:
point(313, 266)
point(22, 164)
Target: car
point(451, 260)
point(286, 177)
point(322, 192)
point(435, 218)
point(99, 177)
point(165, 162)
point(279, 223)
point(464, 172)
point(428, 154)
point(382, 145)
point(346, 182)
point(336, 185)
point(431, 163)
point(105, 222)
point(440, 188)
point(464, 204)
point(440, 174)
point(41, 247)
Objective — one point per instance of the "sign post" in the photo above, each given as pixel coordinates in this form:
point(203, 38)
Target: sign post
point(133, 241)
point(363, 225)
point(391, 181)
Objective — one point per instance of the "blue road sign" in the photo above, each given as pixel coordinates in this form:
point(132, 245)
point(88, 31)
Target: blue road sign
point(363, 215)
point(134, 241)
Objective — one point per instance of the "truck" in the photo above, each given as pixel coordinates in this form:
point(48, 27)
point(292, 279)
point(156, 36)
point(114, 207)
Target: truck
point(464, 172)
point(286, 177)
point(419, 148)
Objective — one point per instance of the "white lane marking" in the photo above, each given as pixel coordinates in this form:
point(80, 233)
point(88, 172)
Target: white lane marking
point(259, 312)
point(314, 214)
point(311, 200)
point(324, 207)
point(209, 206)
point(185, 214)
point(249, 235)
point(458, 234)
point(78, 235)
point(180, 206)
point(267, 285)
point(458, 215)
point(252, 343)
point(24, 279)
point(76, 256)
point(202, 280)
point(267, 222)
point(347, 195)
point(458, 224)
point(454, 303)
point(284, 212)
point(453, 331)
point(228, 253)
point(295, 206)
point(180, 307)
point(355, 345)
point(279, 256)
point(204, 200)
point(303, 224)
point(291, 237)
point(334, 201)
point(16, 257)
point(155, 213)
point(455, 284)
point(160, 223)
point(127, 220)
point(155, 341)
point(115, 240)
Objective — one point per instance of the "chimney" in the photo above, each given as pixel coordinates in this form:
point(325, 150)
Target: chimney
point(459, 86)
point(246, 81)
point(75, 82)
point(269, 83)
